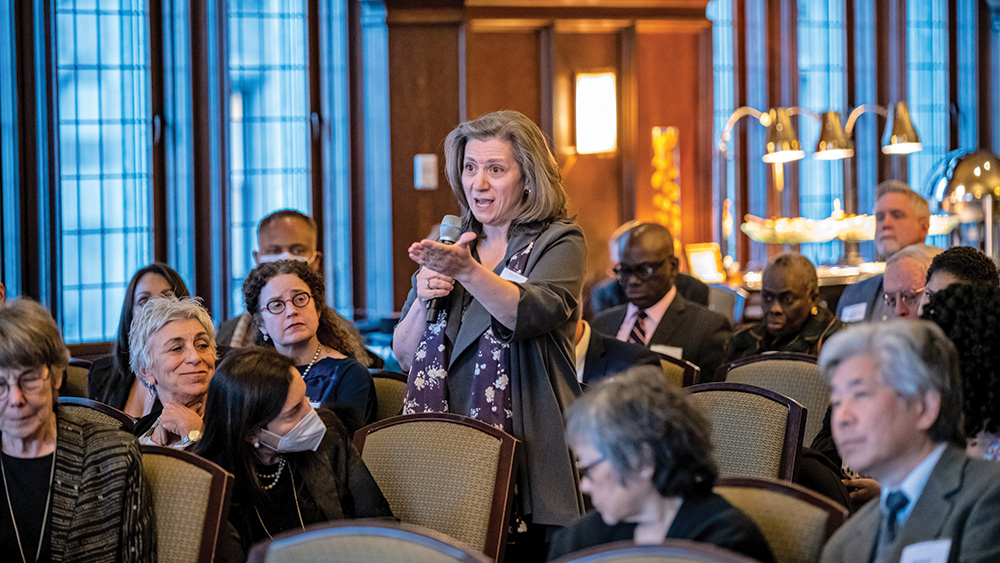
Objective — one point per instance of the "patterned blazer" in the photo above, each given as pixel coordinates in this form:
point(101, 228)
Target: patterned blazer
point(101, 505)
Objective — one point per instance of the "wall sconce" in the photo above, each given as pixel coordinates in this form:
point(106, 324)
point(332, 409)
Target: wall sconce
point(903, 138)
point(834, 142)
point(972, 191)
point(782, 143)
point(900, 137)
point(596, 112)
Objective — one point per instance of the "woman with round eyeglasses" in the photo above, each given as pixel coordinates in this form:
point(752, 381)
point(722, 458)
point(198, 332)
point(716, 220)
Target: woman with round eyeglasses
point(645, 458)
point(72, 490)
point(289, 303)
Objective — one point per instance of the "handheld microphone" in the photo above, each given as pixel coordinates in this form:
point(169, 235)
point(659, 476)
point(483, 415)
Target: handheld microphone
point(451, 231)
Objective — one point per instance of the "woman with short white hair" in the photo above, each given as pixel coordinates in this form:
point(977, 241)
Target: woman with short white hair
point(173, 351)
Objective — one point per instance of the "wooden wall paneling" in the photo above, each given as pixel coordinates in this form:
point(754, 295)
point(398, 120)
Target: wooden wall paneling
point(671, 92)
point(593, 182)
point(890, 21)
point(741, 159)
point(423, 109)
point(503, 71)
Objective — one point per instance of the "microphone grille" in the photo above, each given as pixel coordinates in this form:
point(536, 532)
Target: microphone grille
point(451, 228)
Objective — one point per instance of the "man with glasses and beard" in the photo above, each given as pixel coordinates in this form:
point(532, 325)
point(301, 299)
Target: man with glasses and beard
point(656, 315)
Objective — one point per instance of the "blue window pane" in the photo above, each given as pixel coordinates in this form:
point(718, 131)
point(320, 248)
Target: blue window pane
point(927, 56)
point(269, 122)
point(104, 148)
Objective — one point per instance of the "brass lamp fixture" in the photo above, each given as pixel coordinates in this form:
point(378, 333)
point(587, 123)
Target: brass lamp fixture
point(972, 192)
point(900, 137)
point(782, 143)
point(834, 143)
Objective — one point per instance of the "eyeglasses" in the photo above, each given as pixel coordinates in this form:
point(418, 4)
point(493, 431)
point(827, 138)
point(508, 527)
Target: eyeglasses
point(32, 382)
point(277, 306)
point(641, 272)
point(584, 470)
point(909, 298)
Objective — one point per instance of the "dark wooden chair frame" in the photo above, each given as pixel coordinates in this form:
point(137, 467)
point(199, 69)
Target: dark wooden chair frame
point(836, 514)
point(720, 374)
point(669, 548)
point(692, 373)
point(127, 421)
point(418, 535)
point(219, 496)
point(794, 425)
point(507, 466)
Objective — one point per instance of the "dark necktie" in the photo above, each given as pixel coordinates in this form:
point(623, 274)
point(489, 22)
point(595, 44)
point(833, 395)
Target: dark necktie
point(894, 504)
point(638, 334)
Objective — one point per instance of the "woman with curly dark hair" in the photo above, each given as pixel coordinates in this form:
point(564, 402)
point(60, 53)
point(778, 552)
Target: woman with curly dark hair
point(288, 301)
point(969, 314)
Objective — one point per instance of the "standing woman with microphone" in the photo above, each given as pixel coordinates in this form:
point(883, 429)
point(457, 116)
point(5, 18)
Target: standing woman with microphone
point(501, 349)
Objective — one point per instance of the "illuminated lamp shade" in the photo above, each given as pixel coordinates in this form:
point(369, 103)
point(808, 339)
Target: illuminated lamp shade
point(973, 177)
point(596, 113)
point(901, 137)
point(833, 144)
point(782, 142)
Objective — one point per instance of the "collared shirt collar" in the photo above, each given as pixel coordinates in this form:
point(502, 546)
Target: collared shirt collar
point(581, 351)
point(654, 313)
point(914, 483)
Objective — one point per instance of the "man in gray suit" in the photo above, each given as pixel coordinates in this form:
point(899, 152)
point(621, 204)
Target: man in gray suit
point(897, 418)
point(902, 218)
point(657, 315)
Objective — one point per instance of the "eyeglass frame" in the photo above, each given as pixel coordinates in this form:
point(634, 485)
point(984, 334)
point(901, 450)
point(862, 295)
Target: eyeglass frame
point(19, 381)
point(283, 303)
point(641, 272)
point(916, 294)
point(584, 470)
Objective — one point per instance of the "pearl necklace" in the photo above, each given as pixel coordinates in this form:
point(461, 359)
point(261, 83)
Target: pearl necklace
point(315, 357)
point(276, 475)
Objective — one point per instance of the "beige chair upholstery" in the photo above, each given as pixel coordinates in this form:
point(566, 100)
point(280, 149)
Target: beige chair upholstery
point(795, 521)
point(681, 373)
point(190, 503)
point(446, 472)
point(793, 375)
point(670, 551)
point(93, 411)
point(75, 381)
point(390, 389)
point(756, 432)
point(371, 541)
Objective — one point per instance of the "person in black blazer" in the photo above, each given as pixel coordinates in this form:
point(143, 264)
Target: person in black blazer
point(673, 325)
point(605, 356)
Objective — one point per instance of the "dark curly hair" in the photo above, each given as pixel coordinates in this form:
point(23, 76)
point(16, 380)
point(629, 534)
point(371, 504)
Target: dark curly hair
point(333, 330)
point(969, 314)
point(967, 264)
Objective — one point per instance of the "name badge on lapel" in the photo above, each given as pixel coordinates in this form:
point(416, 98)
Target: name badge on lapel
point(854, 313)
point(927, 552)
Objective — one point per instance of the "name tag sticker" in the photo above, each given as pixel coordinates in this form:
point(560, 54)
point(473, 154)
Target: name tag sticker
point(511, 275)
point(854, 313)
point(927, 552)
point(672, 351)
point(315, 404)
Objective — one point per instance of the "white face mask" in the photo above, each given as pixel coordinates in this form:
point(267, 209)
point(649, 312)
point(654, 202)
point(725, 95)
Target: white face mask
point(304, 436)
point(263, 258)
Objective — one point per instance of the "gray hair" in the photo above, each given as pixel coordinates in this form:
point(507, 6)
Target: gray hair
point(920, 205)
point(638, 418)
point(544, 200)
point(921, 253)
point(29, 338)
point(156, 314)
point(913, 358)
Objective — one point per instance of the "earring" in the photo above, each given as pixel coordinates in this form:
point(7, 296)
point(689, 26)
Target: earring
point(256, 444)
point(265, 337)
point(815, 310)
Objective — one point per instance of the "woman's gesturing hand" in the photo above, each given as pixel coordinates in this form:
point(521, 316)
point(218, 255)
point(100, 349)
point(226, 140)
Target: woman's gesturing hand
point(449, 260)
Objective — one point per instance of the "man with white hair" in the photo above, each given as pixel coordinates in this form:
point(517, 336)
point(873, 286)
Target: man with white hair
point(902, 218)
point(904, 280)
point(897, 417)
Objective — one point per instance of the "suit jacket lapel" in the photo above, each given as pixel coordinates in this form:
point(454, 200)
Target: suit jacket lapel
point(935, 503)
point(670, 323)
point(597, 360)
point(867, 522)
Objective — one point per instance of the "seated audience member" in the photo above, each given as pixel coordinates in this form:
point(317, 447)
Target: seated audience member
point(902, 218)
point(793, 320)
point(111, 380)
point(645, 458)
point(599, 356)
point(73, 490)
point(294, 466)
point(283, 235)
point(968, 316)
point(656, 315)
point(897, 417)
point(608, 292)
point(905, 280)
point(288, 299)
point(961, 264)
point(173, 351)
